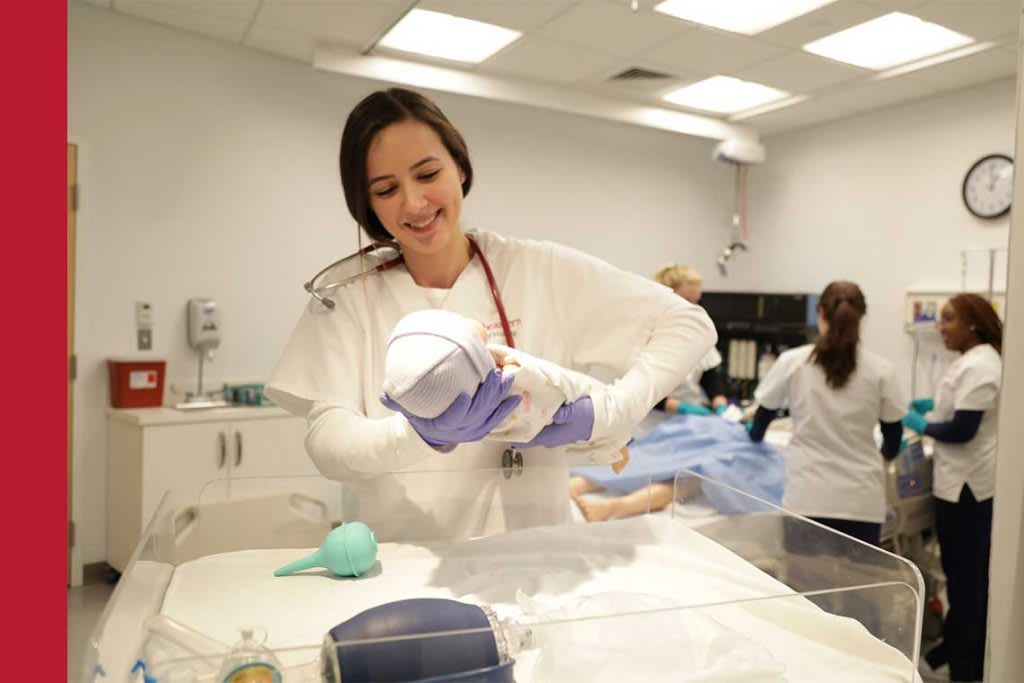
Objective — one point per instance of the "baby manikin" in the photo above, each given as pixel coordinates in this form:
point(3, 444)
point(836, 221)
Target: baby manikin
point(434, 355)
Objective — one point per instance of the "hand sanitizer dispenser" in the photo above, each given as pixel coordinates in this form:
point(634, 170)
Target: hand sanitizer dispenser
point(203, 336)
point(203, 326)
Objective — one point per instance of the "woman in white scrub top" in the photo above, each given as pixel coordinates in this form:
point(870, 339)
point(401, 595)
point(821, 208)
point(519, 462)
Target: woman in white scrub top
point(962, 420)
point(836, 392)
point(405, 170)
point(703, 385)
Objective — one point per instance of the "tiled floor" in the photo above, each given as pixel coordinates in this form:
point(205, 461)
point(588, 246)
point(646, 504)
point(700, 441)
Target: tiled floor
point(85, 603)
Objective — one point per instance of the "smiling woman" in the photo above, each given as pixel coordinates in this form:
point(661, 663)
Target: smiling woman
point(419, 200)
point(405, 170)
point(962, 419)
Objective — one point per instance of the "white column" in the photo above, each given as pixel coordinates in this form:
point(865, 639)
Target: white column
point(1006, 575)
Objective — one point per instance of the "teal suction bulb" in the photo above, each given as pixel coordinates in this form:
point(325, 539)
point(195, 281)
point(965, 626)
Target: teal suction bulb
point(349, 550)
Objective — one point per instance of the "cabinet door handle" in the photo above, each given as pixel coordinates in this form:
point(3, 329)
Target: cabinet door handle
point(223, 440)
point(238, 448)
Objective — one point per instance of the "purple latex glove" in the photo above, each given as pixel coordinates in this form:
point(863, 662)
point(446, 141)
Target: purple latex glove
point(571, 423)
point(466, 419)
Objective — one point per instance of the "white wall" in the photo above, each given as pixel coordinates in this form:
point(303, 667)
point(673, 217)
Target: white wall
point(876, 199)
point(211, 170)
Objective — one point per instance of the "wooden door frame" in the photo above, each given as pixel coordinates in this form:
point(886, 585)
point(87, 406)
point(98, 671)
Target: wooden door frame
point(74, 575)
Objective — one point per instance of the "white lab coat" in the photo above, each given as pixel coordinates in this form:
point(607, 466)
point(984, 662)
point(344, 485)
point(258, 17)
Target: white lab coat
point(833, 467)
point(563, 306)
point(690, 391)
point(971, 382)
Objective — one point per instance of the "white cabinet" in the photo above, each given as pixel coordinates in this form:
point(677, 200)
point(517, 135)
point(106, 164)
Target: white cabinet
point(158, 450)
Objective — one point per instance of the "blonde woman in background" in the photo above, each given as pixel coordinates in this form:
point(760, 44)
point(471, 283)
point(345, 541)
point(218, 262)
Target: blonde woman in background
point(703, 386)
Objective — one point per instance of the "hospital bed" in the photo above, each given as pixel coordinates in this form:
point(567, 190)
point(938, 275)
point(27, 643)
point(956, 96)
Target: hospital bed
point(759, 596)
point(711, 446)
point(910, 516)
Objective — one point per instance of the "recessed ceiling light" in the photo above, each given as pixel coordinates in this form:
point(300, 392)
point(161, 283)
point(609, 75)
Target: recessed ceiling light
point(771, 106)
point(892, 39)
point(739, 16)
point(447, 36)
point(724, 94)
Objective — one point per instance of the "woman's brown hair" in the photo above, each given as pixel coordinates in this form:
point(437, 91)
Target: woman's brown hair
point(373, 114)
point(978, 314)
point(842, 306)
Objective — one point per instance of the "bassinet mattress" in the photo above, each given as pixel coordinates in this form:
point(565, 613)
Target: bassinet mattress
point(653, 555)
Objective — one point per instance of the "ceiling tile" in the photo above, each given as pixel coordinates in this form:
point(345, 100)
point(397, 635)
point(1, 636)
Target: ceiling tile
point(229, 9)
point(873, 95)
point(644, 90)
point(821, 22)
point(799, 115)
point(641, 5)
point(349, 23)
point(710, 51)
point(521, 15)
point(546, 60)
point(992, 64)
point(281, 42)
point(179, 15)
point(800, 72)
point(896, 5)
point(981, 20)
point(846, 101)
point(610, 28)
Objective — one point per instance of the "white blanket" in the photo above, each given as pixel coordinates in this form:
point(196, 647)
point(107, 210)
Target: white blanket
point(652, 555)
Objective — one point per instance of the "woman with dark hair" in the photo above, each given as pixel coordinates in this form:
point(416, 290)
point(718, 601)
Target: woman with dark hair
point(405, 171)
point(962, 420)
point(836, 392)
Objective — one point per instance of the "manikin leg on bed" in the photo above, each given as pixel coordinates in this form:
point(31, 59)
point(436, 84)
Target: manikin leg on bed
point(648, 499)
point(580, 485)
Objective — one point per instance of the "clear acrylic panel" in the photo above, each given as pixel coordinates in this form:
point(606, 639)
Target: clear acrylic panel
point(752, 594)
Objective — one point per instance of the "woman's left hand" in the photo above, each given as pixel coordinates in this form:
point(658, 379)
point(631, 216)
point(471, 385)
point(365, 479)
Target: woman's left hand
point(467, 418)
point(915, 422)
point(571, 423)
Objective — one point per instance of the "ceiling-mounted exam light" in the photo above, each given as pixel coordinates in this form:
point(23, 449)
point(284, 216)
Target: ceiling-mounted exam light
point(737, 151)
point(741, 154)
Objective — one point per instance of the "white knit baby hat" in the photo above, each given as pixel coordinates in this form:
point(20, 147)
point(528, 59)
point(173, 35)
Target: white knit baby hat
point(432, 357)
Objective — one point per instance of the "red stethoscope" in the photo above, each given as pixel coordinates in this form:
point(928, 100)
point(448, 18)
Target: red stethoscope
point(378, 257)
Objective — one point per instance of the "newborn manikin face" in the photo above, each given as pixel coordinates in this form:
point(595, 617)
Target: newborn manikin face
point(501, 360)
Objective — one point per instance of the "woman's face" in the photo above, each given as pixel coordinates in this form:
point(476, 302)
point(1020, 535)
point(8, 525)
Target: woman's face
point(415, 187)
point(955, 331)
point(691, 291)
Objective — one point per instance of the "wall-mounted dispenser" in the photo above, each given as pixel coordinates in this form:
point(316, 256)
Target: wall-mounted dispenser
point(203, 336)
